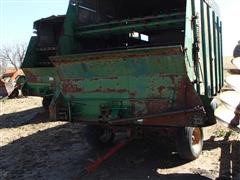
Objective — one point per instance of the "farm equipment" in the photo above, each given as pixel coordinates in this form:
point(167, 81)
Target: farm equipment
point(40, 73)
point(11, 81)
point(138, 64)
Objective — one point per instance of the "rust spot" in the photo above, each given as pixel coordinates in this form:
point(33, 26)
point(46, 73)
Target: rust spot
point(112, 78)
point(173, 120)
point(132, 94)
point(156, 106)
point(117, 55)
point(116, 90)
point(160, 89)
point(186, 96)
point(173, 79)
point(109, 78)
point(70, 87)
point(108, 90)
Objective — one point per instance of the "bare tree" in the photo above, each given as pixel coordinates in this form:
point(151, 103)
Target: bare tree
point(3, 65)
point(13, 55)
point(1, 69)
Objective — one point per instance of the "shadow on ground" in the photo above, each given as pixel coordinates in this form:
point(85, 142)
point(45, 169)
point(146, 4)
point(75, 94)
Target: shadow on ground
point(143, 159)
point(62, 152)
point(230, 155)
point(21, 118)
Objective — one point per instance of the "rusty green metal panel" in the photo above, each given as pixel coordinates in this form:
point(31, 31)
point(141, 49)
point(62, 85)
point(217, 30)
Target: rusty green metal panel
point(127, 84)
point(40, 81)
point(140, 82)
point(103, 73)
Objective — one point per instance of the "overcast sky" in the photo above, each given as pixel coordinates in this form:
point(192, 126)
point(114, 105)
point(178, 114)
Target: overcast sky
point(17, 17)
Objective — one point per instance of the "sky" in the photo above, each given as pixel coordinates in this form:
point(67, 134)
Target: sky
point(17, 17)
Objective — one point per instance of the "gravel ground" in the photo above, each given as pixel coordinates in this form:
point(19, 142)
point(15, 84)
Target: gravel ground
point(32, 147)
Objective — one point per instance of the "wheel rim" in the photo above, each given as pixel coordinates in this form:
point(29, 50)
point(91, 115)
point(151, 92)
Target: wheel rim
point(196, 140)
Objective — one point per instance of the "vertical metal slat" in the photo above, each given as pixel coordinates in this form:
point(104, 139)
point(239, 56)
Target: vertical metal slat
point(204, 50)
point(210, 50)
point(195, 43)
point(215, 50)
point(219, 55)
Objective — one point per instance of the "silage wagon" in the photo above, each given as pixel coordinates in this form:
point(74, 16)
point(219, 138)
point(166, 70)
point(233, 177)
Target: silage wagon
point(139, 64)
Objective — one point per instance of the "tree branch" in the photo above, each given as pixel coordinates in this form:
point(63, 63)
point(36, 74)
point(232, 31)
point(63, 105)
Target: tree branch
point(13, 55)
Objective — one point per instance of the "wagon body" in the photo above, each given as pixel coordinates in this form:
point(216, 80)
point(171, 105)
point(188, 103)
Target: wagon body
point(158, 64)
point(130, 65)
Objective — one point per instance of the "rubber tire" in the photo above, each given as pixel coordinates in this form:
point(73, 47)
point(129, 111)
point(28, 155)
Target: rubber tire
point(94, 132)
point(184, 143)
point(46, 102)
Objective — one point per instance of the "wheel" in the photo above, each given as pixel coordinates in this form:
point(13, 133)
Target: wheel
point(189, 142)
point(46, 102)
point(99, 136)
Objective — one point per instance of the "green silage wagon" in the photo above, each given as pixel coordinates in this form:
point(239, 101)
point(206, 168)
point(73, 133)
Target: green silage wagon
point(136, 64)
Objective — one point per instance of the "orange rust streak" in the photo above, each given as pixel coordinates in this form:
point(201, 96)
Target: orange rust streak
point(117, 55)
point(173, 120)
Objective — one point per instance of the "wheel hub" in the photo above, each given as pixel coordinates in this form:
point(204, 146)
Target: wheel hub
point(196, 136)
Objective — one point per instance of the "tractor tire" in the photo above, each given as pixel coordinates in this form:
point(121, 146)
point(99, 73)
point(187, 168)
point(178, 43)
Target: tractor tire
point(189, 142)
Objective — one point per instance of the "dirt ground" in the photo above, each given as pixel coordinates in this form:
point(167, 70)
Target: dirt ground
point(32, 147)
